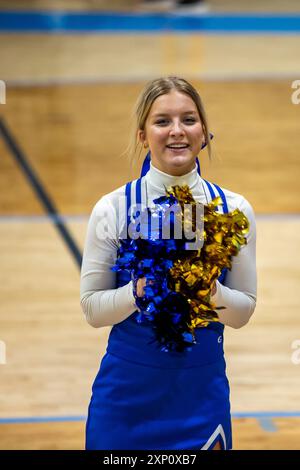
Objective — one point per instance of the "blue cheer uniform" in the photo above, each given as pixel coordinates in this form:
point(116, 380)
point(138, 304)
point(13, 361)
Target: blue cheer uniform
point(145, 398)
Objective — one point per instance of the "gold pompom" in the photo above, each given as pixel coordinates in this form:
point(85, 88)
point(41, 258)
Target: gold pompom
point(223, 235)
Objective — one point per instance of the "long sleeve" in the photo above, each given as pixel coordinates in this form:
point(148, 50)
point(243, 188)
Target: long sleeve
point(105, 305)
point(238, 295)
point(101, 302)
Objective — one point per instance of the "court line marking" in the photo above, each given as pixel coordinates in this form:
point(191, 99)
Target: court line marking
point(266, 414)
point(39, 219)
point(267, 424)
point(41, 419)
point(263, 417)
point(64, 22)
point(136, 78)
point(39, 190)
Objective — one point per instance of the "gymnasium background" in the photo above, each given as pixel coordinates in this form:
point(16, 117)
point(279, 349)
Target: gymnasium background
point(70, 72)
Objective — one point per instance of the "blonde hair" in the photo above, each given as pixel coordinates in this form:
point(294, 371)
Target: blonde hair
point(154, 89)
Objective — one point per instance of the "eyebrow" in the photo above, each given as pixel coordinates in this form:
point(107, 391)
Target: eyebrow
point(166, 114)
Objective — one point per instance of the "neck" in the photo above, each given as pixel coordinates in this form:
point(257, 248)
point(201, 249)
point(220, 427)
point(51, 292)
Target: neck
point(161, 180)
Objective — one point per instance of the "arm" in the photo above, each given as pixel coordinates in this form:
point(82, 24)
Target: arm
point(238, 294)
point(101, 302)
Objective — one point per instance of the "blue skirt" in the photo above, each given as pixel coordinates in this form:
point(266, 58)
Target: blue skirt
point(135, 406)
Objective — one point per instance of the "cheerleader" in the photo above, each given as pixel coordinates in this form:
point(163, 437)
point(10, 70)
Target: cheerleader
point(143, 397)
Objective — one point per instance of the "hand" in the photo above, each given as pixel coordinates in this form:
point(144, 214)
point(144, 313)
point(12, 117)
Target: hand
point(213, 289)
point(140, 287)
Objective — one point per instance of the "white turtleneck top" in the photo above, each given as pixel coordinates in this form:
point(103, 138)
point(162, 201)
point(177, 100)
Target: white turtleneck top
point(103, 304)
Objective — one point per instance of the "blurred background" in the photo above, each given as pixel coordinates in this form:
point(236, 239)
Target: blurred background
point(70, 73)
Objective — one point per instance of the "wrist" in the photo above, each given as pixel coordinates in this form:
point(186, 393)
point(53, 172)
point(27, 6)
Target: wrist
point(214, 289)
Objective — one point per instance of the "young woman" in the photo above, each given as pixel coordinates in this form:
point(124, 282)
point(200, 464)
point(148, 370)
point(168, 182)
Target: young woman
point(144, 398)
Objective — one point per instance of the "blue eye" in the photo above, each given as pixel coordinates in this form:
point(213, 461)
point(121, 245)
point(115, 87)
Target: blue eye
point(190, 120)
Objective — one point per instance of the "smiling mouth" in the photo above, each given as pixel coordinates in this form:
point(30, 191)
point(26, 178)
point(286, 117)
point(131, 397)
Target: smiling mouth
point(177, 146)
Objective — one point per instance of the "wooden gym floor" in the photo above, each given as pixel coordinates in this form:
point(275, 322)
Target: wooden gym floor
point(67, 106)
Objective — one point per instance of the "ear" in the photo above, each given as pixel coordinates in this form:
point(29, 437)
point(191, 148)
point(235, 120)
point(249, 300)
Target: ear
point(142, 138)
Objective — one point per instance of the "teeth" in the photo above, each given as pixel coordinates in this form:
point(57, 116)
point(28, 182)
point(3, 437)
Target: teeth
point(177, 146)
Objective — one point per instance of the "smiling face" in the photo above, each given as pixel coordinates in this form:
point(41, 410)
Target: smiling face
point(174, 133)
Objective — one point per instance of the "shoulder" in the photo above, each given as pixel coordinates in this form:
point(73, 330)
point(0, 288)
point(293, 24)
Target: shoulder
point(114, 200)
point(238, 201)
point(109, 213)
point(109, 200)
point(106, 216)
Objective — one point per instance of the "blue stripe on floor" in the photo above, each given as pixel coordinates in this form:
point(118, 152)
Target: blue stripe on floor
point(262, 416)
point(265, 419)
point(35, 218)
point(41, 419)
point(92, 22)
point(38, 219)
point(267, 424)
point(267, 414)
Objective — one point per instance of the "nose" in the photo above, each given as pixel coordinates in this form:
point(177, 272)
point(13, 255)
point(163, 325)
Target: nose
point(176, 129)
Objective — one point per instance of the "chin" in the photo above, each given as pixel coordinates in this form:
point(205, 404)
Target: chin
point(175, 165)
point(182, 163)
